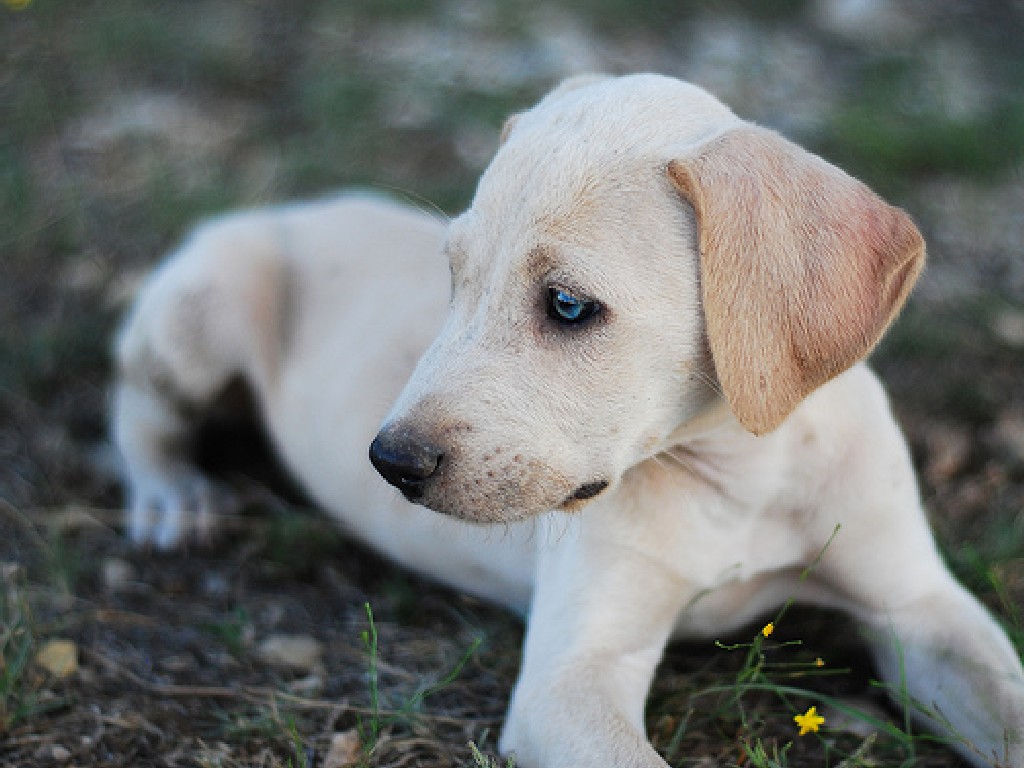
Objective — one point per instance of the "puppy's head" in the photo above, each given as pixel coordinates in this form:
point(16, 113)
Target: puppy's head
point(633, 250)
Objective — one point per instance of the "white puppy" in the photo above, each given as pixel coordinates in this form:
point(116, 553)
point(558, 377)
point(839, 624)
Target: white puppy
point(647, 351)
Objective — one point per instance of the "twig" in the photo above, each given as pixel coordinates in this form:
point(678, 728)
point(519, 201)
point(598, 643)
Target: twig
point(163, 689)
point(260, 694)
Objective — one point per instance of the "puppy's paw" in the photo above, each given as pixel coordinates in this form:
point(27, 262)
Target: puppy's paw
point(174, 505)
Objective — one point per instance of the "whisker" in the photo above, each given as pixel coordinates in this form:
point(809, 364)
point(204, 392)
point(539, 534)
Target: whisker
point(421, 202)
point(559, 526)
point(710, 381)
point(661, 460)
point(675, 458)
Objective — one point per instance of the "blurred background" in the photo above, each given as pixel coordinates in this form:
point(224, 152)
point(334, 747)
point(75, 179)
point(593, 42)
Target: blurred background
point(124, 121)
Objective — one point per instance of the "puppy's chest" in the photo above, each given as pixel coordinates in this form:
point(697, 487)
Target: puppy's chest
point(716, 527)
point(722, 543)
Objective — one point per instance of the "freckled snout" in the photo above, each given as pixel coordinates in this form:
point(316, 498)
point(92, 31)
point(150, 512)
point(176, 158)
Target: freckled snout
point(406, 460)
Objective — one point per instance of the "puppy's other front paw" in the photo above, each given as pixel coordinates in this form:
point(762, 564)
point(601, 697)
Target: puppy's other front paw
point(170, 507)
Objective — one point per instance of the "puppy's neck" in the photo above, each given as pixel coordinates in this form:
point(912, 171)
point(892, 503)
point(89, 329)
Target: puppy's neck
point(716, 418)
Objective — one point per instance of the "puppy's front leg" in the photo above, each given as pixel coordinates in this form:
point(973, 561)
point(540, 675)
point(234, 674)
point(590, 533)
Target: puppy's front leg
point(602, 613)
point(941, 653)
point(934, 642)
point(959, 667)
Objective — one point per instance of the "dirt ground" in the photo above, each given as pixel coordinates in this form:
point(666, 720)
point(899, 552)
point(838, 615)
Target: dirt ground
point(124, 121)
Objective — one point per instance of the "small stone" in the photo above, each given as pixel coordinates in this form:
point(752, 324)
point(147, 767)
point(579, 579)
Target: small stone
point(216, 585)
point(123, 287)
point(222, 658)
point(872, 23)
point(345, 750)
point(116, 573)
point(11, 572)
point(1009, 432)
point(182, 662)
point(294, 652)
point(58, 657)
point(310, 685)
point(83, 273)
point(948, 451)
point(1008, 325)
point(60, 754)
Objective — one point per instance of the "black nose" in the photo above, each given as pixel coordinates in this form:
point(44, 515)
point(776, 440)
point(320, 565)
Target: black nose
point(405, 461)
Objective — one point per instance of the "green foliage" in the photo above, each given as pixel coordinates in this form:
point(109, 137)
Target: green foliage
point(891, 147)
point(232, 631)
point(298, 540)
point(663, 16)
point(480, 760)
point(754, 707)
point(371, 727)
point(39, 362)
point(889, 134)
point(760, 756)
point(369, 730)
point(302, 754)
point(162, 42)
point(16, 204)
point(20, 683)
point(18, 698)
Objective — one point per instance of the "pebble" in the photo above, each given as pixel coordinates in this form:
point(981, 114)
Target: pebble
point(1009, 432)
point(58, 657)
point(310, 685)
point(11, 572)
point(116, 574)
point(345, 750)
point(949, 450)
point(293, 652)
point(1009, 327)
point(182, 662)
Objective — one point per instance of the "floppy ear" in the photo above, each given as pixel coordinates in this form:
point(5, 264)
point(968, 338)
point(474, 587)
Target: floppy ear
point(802, 268)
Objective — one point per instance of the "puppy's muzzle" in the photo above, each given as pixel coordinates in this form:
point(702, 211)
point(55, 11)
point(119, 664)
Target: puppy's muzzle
point(405, 460)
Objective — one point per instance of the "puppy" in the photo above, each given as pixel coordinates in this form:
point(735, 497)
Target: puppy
point(644, 362)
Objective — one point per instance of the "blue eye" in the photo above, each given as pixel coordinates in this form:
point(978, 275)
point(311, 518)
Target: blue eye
point(567, 308)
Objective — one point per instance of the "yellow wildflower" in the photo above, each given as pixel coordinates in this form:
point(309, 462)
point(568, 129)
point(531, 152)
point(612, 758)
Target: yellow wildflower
point(17, 5)
point(768, 628)
point(819, 662)
point(809, 722)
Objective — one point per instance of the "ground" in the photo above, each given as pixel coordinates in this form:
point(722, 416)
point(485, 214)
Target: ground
point(285, 643)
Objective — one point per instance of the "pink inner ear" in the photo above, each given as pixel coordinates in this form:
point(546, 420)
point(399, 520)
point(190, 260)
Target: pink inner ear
point(803, 268)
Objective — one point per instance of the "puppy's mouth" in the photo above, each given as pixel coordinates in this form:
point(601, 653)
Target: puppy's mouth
point(583, 494)
point(505, 513)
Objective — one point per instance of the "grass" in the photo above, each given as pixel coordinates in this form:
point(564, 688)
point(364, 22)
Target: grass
point(18, 698)
point(892, 130)
point(382, 719)
point(25, 691)
point(303, 757)
point(982, 568)
point(769, 696)
point(481, 760)
point(775, 688)
point(379, 718)
point(232, 631)
point(369, 729)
